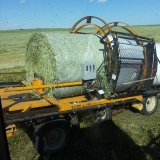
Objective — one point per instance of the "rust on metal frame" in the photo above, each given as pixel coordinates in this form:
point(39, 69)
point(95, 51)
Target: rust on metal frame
point(88, 17)
point(115, 24)
point(88, 23)
point(94, 25)
point(131, 30)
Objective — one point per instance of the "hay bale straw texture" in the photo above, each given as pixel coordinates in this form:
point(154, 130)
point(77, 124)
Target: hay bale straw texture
point(57, 58)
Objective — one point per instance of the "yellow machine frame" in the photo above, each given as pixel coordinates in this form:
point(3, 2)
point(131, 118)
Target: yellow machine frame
point(65, 104)
point(9, 104)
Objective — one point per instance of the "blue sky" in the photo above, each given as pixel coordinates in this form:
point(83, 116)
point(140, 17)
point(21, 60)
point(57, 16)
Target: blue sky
point(26, 14)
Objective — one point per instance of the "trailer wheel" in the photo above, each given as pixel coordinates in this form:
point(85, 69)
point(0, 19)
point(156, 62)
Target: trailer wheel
point(51, 137)
point(150, 105)
point(104, 115)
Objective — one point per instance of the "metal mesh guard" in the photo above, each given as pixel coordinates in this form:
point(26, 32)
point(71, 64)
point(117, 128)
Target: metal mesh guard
point(131, 60)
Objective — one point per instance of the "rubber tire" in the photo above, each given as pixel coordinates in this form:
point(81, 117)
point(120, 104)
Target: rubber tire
point(42, 130)
point(107, 116)
point(144, 110)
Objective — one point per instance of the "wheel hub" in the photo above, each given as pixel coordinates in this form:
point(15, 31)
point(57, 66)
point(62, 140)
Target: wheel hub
point(150, 103)
point(54, 138)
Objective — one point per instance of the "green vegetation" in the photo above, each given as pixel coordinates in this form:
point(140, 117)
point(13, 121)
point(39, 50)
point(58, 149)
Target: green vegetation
point(13, 46)
point(149, 31)
point(13, 42)
point(11, 78)
point(129, 136)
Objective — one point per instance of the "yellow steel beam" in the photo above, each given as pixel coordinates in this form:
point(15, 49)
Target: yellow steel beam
point(72, 100)
point(47, 98)
point(33, 105)
point(97, 102)
point(59, 85)
point(41, 103)
point(65, 104)
point(27, 109)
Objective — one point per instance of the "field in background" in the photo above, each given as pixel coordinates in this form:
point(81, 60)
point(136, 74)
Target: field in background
point(129, 136)
point(13, 43)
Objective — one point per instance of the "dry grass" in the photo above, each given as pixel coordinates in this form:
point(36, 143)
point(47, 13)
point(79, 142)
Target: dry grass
point(20, 145)
point(129, 136)
point(11, 78)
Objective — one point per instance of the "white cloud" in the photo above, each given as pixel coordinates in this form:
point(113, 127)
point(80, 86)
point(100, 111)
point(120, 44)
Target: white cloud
point(90, 1)
point(102, 1)
point(22, 1)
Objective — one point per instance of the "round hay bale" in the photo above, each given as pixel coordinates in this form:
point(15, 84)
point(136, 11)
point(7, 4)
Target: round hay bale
point(57, 58)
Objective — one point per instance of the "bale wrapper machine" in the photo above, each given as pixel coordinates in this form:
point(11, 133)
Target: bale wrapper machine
point(126, 77)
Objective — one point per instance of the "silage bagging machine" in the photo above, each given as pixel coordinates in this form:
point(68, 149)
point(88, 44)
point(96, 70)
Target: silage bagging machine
point(128, 76)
